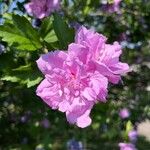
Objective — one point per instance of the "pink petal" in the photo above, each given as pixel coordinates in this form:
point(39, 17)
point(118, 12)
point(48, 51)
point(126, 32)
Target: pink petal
point(51, 60)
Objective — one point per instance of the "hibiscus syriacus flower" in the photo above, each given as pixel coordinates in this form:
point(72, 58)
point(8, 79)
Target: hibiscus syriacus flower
point(42, 8)
point(127, 146)
point(77, 79)
point(69, 88)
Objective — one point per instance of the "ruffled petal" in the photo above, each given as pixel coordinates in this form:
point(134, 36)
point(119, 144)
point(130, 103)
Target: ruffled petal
point(51, 60)
point(49, 93)
point(79, 114)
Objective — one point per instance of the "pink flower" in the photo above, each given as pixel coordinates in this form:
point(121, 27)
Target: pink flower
point(42, 8)
point(127, 146)
point(70, 87)
point(104, 57)
point(124, 113)
point(77, 79)
point(116, 6)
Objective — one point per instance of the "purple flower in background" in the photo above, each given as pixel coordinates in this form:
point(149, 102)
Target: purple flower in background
point(2, 48)
point(24, 119)
point(124, 113)
point(75, 25)
point(36, 23)
point(133, 135)
point(113, 7)
point(123, 37)
point(74, 145)
point(42, 8)
point(127, 146)
point(45, 123)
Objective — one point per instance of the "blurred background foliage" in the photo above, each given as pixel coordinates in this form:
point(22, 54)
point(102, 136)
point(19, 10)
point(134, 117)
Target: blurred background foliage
point(25, 121)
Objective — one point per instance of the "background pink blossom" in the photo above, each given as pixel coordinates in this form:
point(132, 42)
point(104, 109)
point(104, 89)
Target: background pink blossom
point(42, 8)
point(124, 113)
point(127, 146)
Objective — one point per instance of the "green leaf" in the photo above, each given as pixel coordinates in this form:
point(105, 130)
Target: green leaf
point(10, 78)
point(51, 37)
point(46, 31)
point(33, 81)
point(7, 17)
point(24, 75)
point(46, 27)
point(23, 68)
point(25, 79)
point(64, 33)
point(20, 34)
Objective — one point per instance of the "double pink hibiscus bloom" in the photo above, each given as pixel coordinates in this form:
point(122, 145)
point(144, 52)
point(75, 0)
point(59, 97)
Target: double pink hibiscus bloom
point(77, 79)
